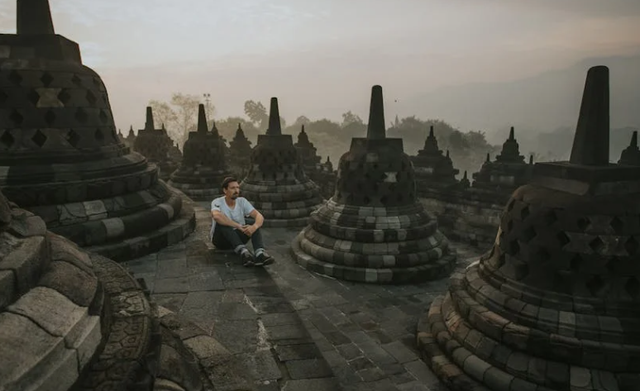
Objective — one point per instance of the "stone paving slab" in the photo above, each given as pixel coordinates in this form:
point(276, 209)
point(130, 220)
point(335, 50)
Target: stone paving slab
point(284, 328)
point(366, 332)
point(245, 333)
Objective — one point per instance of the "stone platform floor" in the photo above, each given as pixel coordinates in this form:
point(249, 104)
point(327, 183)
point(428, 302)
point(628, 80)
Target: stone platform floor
point(284, 328)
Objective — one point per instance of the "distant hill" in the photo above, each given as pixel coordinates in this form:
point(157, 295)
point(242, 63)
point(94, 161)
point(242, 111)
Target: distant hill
point(540, 103)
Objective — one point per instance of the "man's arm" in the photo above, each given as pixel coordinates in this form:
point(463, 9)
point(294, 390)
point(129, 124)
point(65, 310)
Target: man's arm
point(220, 218)
point(259, 219)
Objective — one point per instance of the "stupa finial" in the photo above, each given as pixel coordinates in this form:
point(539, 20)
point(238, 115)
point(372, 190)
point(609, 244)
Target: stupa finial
point(591, 142)
point(375, 128)
point(149, 125)
point(275, 128)
point(34, 18)
point(512, 134)
point(202, 119)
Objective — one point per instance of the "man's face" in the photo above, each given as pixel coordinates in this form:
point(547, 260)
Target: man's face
point(233, 190)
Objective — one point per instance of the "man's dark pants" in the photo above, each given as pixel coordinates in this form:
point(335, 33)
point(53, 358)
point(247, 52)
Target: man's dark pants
point(228, 238)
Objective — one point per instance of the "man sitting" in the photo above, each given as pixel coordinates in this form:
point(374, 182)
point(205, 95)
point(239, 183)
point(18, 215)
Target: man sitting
point(229, 230)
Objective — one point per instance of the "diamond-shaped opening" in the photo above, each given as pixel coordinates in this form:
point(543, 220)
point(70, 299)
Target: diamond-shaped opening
point(514, 247)
point(520, 269)
point(529, 234)
point(597, 286)
point(575, 263)
point(91, 98)
point(3, 97)
point(384, 199)
point(632, 287)
point(563, 239)
point(76, 80)
point(632, 246)
point(46, 79)
point(561, 283)
point(39, 138)
point(73, 138)
point(7, 139)
point(81, 116)
point(617, 225)
point(33, 97)
point(509, 225)
point(524, 213)
point(510, 205)
point(15, 77)
point(583, 223)
point(98, 135)
point(543, 255)
point(596, 244)
point(612, 264)
point(50, 117)
point(16, 117)
point(550, 217)
point(64, 97)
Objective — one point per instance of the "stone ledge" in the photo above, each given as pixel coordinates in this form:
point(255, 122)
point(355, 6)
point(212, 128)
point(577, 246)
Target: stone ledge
point(55, 193)
point(420, 273)
point(152, 241)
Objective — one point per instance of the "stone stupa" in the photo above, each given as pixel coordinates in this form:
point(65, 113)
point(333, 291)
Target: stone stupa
point(433, 168)
point(203, 165)
point(276, 183)
point(308, 152)
point(155, 145)
point(239, 156)
point(631, 155)
point(507, 172)
point(60, 156)
point(555, 305)
point(374, 229)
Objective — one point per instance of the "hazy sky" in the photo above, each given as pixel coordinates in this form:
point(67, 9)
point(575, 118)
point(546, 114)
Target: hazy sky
point(321, 57)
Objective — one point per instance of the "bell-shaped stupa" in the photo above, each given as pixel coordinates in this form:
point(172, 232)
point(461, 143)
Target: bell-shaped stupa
point(203, 165)
point(307, 151)
point(155, 145)
point(374, 229)
point(507, 172)
point(631, 155)
point(60, 156)
point(433, 168)
point(555, 305)
point(276, 183)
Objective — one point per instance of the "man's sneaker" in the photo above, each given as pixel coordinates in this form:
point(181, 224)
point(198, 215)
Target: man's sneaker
point(263, 259)
point(247, 259)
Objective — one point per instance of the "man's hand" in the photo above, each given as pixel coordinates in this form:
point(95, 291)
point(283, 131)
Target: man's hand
point(249, 229)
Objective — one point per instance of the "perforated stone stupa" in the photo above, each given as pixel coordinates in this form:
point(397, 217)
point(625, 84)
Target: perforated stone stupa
point(555, 305)
point(155, 145)
point(507, 172)
point(631, 155)
point(239, 156)
point(374, 229)
point(276, 183)
point(203, 166)
point(60, 156)
point(432, 166)
point(307, 151)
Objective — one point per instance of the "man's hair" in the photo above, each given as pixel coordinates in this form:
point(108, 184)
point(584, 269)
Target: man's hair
point(227, 180)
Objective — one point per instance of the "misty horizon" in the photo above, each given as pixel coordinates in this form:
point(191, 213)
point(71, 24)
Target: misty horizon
point(476, 66)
